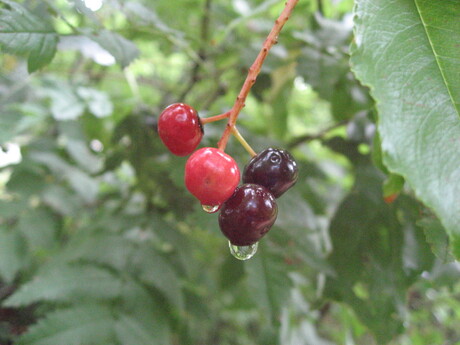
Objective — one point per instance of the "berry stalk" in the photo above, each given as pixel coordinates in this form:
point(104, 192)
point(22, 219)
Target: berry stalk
point(254, 71)
point(215, 118)
point(243, 142)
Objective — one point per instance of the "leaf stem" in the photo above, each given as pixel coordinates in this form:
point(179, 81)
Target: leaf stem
point(254, 71)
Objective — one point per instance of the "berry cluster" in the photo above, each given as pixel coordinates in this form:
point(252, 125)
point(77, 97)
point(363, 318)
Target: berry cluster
point(247, 212)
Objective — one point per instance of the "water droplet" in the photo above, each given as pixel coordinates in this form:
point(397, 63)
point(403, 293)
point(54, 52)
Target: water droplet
point(210, 208)
point(243, 252)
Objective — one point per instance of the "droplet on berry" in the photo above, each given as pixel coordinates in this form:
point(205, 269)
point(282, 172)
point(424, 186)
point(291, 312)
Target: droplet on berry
point(248, 215)
point(210, 208)
point(211, 176)
point(274, 169)
point(243, 252)
point(180, 128)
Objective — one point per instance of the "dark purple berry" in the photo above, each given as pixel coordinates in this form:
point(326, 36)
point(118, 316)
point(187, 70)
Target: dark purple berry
point(248, 215)
point(274, 169)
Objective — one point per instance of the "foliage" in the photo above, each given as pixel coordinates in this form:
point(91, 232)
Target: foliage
point(101, 244)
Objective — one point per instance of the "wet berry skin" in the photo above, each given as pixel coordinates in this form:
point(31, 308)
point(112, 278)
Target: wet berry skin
point(211, 176)
point(248, 215)
point(274, 169)
point(180, 129)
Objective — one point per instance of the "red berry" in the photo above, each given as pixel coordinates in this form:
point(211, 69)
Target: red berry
point(180, 129)
point(248, 215)
point(211, 176)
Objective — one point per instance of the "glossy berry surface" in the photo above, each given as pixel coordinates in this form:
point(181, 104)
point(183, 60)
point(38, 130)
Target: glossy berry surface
point(274, 169)
point(248, 215)
point(211, 176)
point(180, 129)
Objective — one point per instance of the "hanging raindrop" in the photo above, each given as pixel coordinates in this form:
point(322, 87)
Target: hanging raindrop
point(210, 208)
point(243, 252)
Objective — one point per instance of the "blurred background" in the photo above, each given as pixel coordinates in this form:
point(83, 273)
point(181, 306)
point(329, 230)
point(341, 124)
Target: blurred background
point(100, 243)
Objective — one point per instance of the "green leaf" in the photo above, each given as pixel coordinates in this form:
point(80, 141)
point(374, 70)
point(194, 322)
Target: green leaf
point(83, 184)
point(393, 185)
point(23, 32)
point(153, 270)
point(143, 317)
point(442, 25)
point(104, 249)
point(9, 122)
point(437, 238)
point(13, 254)
point(123, 50)
point(65, 103)
point(67, 283)
point(377, 255)
point(407, 52)
point(98, 102)
point(268, 282)
point(131, 331)
point(39, 227)
point(87, 324)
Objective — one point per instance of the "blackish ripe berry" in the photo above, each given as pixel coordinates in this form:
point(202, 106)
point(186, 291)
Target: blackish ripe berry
point(274, 169)
point(248, 215)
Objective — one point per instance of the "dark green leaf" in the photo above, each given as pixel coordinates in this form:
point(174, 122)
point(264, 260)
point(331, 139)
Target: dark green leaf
point(84, 324)
point(406, 52)
point(64, 283)
point(437, 238)
point(268, 282)
point(23, 32)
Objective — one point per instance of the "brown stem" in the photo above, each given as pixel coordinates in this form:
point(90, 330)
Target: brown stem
point(214, 118)
point(254, 70)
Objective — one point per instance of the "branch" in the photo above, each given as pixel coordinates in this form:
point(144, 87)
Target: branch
point(309, 137)
point(254, 71)
point(202, 53)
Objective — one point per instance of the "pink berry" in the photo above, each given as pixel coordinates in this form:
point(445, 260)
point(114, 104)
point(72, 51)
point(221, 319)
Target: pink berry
point(211, 176)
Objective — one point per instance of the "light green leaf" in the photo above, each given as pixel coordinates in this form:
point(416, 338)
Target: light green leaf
point(9, 122)
point(123, 50)
point(23, 32)
point(407, 52)
point(65, 103)
point(87, 324)
point(98, 102)
point(84, 185)
point(67, 283)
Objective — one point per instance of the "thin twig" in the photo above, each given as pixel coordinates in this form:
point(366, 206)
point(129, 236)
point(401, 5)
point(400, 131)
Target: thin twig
point(202, 52)
point(254, 70)
point(319, 135)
